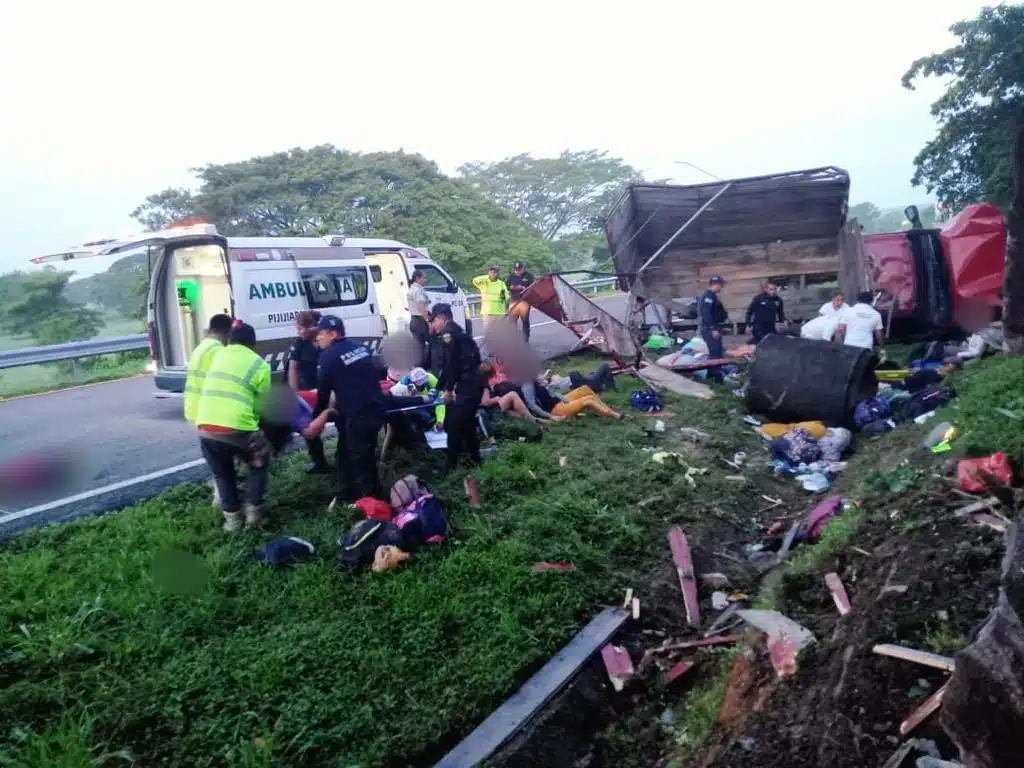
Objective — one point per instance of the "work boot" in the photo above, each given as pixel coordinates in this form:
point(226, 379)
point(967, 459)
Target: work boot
point(232, 522)
point(253, 517)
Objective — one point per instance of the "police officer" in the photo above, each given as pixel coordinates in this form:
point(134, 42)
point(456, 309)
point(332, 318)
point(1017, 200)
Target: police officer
point(764, 311)
point(462, 384)
point(348, 371)
point(520, 279)
point(303, 364)
point(228, 417)
point(711, 314)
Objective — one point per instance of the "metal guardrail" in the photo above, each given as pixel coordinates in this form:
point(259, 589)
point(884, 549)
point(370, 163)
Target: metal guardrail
point(73, 350)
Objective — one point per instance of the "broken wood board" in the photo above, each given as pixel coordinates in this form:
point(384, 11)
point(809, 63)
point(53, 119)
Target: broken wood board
point(683, 560)
point(786, 638)
point(923, 712)
point(618, 665)
point(923, 658)
point(724, 640)
point(519, 708)
point(839, 596)
point(678, 671)
point(659, 377)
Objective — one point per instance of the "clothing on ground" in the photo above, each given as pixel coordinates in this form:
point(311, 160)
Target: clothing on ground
point(816, 429)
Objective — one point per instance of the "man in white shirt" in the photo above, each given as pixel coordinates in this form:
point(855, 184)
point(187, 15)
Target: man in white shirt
point(821, 328)
point(835, 307)
point(861, 325)
point(418, 312)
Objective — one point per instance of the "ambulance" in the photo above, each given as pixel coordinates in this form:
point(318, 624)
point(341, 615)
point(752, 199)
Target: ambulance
point(195, 273)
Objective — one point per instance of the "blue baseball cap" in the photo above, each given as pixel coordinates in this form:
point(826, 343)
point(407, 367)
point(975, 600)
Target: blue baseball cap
point(330, 323)
point(717, 279)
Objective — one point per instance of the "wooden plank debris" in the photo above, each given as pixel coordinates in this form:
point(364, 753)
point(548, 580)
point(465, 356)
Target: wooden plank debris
point(923, 712)
point(629, 598)
point(918, 657)
point(519, 708)
point(618, 665)
point(662, 378)
point(678, 671)
point(991, 521)
point(839, 596)
point(683, 560)
point(636, 608)
point(978, 506)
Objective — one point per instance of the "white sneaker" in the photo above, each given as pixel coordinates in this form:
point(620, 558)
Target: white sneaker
point(252, 515)
point(232, 522)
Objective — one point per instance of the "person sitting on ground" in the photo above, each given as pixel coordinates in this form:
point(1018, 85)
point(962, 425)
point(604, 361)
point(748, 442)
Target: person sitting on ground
point(510, 402)
point(600, 380)
point(582, 399)
point(861, 325)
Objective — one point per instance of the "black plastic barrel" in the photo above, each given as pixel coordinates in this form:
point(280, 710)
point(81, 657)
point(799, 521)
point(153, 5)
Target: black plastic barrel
point(795, 379)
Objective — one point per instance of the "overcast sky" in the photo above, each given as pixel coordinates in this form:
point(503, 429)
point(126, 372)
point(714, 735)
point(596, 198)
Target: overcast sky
point(107, 102)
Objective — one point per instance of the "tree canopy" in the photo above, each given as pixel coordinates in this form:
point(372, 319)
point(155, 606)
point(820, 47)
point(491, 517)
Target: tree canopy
point(876, 220)
point(554, 196)
point(381, 194)
point(971, 157)
point(35, 304)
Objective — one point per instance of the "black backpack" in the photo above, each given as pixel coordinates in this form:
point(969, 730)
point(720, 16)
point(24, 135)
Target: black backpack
point(358, 547)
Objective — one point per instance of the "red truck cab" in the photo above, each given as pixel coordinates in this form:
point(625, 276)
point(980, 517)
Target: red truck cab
point(945, 280)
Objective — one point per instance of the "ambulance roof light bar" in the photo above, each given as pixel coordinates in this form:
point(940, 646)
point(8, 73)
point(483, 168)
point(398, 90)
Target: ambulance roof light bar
point(335, 241)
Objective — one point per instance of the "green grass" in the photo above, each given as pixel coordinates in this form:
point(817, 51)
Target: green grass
point(228, 663)
point(44, 378)
point(983, 387)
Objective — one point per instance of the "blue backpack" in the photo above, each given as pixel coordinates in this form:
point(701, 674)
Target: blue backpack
point(646, 400)
point(867, 411)
point(423, 521)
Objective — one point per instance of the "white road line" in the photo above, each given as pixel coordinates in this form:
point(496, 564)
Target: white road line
point(86, 495)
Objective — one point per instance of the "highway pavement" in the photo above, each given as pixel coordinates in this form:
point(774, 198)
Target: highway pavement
point(121, 433)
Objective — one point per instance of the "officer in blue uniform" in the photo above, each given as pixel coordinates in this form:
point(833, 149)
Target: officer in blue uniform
point(764, 311)
point(462, 384)
point(711, 314)
point(348, 371)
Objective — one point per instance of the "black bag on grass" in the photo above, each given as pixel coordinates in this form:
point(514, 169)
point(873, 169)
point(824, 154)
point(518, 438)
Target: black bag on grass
point(358, 547)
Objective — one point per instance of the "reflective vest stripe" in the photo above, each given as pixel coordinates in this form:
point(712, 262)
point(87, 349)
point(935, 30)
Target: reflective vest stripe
point(208, 392)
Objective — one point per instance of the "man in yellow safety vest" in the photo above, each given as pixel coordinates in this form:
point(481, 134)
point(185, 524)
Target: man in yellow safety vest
point(493, 295)
point(199, 362)
point(228, 418)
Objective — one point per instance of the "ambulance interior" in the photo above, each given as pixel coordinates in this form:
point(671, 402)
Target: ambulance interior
point(191, 288)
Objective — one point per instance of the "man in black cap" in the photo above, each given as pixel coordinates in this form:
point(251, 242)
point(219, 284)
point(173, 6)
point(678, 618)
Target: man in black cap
point(462, 384)
point(518, 282)
point(711, 314)
point(347, 370)
point(764, 311)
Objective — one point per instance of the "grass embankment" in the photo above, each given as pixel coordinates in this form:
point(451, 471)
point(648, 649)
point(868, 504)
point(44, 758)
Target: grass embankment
point(32, 379)
point(149, 633)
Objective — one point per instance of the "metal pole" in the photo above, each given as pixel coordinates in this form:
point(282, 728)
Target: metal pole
point(679, 231)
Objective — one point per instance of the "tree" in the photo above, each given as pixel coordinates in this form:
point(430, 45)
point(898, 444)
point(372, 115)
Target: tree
point(1013, 280)
point(971, 158)
point(554, 196)
point(41, 309)
point(122, 289)
point(382, 194)
point(877, 220)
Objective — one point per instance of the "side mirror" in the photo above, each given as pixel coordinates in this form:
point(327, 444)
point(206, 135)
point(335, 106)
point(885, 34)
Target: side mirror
point(913, 216)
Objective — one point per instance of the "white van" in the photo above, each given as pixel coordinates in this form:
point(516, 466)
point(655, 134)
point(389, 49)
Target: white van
point(196, 273)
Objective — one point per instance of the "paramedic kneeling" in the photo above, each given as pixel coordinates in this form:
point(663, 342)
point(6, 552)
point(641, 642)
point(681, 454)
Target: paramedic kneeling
point(711, 314)
point(228, 417)
point(462, 385)
point(347, 370)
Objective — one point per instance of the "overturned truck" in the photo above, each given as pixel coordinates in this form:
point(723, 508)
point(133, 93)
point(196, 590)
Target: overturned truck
point(792, 228)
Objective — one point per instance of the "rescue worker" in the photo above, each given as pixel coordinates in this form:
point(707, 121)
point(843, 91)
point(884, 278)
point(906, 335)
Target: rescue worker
point(462, 383)
point(303, 362)
point(199, 362)
point(418, 313)
point(493, 295)
point(228, 417)
point(348, 371)
point(518, 282)
point(711, 314)
point(764, 311)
